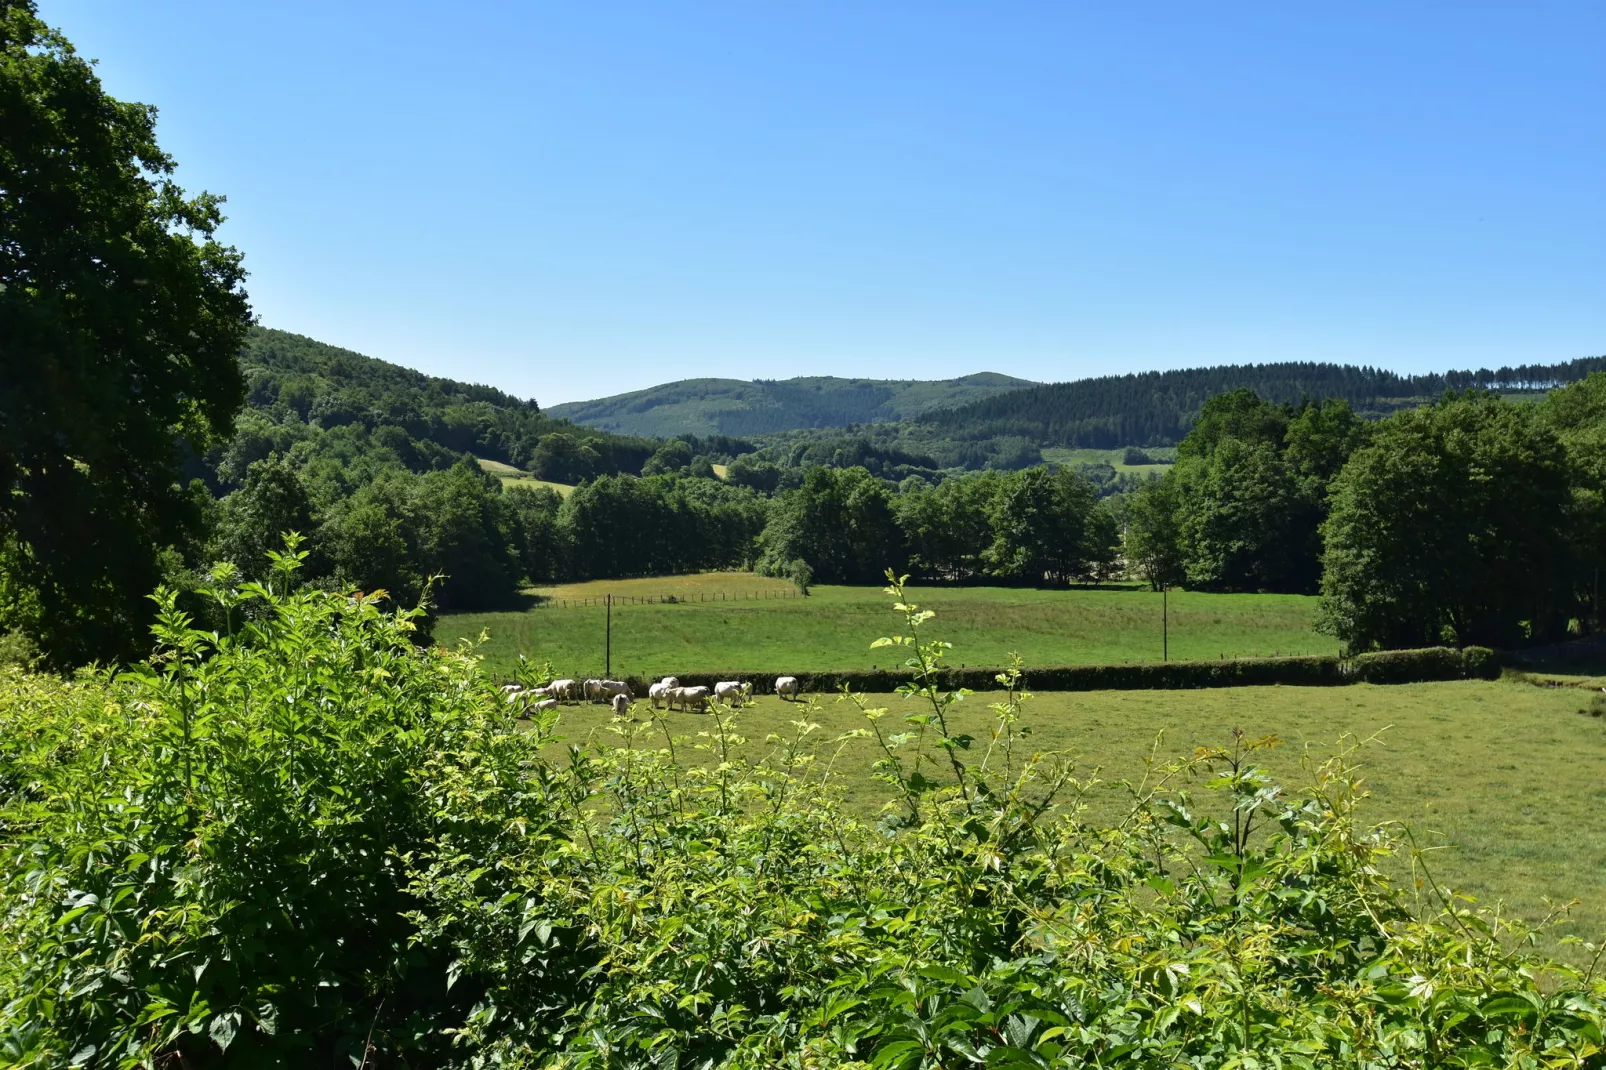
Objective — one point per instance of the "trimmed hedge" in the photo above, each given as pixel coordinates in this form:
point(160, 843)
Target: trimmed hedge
point(1321, 670)
point(1418, 666)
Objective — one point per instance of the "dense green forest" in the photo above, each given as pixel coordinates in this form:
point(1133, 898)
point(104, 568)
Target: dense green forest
point(294, 381)
point(765, 406)
point(1157, 408)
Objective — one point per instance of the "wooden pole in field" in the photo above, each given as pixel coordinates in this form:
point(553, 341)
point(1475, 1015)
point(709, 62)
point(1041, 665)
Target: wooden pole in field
point(1165, 626)
point(607, 656)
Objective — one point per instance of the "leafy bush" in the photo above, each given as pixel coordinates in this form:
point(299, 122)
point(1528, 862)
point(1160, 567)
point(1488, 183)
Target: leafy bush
point(1432, 663)
point(309, 840)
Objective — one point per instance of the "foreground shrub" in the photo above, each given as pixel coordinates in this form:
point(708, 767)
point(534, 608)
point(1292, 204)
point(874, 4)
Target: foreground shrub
point(309, 841)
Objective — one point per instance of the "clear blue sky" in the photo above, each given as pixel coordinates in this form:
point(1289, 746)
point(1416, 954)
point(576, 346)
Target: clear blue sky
point(575, 200)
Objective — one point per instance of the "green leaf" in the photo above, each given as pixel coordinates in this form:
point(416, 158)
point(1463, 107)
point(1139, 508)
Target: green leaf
point(223, 1028)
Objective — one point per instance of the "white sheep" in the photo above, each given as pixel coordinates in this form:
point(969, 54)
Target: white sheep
point(621, 705)
point(786, 687)
point(564, 690)
point(544, 704)
point(688, 697)
point(734, 692)
point(670, 681)
point(656, 692)
point(610, 688)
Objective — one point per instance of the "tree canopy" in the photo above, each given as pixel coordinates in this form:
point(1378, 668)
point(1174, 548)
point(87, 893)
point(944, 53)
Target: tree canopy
point(121, 315)
point(1451, 525)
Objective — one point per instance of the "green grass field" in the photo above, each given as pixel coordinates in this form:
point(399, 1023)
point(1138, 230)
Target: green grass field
point(517, 477)
point(1507, 781)
point(1062, 455)
point(833, 627)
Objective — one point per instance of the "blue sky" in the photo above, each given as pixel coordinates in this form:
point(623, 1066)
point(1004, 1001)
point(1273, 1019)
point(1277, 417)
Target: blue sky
point(576, 200)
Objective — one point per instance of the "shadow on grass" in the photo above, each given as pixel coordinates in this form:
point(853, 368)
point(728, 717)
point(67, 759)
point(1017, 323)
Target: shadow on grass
point(1580, 657)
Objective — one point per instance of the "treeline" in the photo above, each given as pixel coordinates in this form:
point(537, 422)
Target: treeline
point(1471, 520)
point(373, 524)
point(1157, 408)
point(1033, 527)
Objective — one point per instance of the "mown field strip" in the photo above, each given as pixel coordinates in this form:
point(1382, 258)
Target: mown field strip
point(833, 627)
point(1507, 781)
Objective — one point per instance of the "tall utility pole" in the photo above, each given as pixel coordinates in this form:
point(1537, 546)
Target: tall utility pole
point(607, 656)
point(1165, 625)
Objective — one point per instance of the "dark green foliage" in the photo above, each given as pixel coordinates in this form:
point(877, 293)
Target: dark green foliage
point(1041, 523)
point(1154, 547)
point(1577, 415)
point(120, 319)
point(625, 526)
point(1242, 508)
point(254, 519)
point(1313, 670)
point(1417, 666)
point(1451, 526)
point(1243, 522)
point(295, 379)
point(841, 522)
point(1158, 408)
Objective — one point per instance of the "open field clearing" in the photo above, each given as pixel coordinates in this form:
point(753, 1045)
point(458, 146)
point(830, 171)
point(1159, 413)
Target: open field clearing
point(1113, 458)
point(833, 627)
point(1506, 780)
point(517, 477)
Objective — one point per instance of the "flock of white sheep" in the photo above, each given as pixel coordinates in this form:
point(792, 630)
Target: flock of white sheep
point(666, 692)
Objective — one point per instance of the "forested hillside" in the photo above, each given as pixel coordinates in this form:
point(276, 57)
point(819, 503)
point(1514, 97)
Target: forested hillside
point(1157, 408)
point(765, 406)
point(296, 378)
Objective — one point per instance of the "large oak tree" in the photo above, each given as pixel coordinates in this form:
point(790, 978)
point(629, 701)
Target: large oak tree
point(121, 321)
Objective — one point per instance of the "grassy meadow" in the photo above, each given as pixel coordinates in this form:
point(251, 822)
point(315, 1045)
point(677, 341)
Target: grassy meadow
point(761, 626)
point(1113, 458)
point(1504, 780)
point(517, 477)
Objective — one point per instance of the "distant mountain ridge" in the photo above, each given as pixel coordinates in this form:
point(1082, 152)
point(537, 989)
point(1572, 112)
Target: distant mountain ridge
point(767, 406)
point(1156, 408)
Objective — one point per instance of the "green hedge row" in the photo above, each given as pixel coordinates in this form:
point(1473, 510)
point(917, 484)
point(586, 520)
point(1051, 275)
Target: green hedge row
point(1384, 667)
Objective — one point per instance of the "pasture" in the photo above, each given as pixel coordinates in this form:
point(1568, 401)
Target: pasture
point(1113, 458)
point(517, 477)
point(761, 626)
point(1505, 781)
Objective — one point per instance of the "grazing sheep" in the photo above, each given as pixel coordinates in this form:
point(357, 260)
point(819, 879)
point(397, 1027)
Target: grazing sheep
point(591, 690)
point(670, 681)
point(786, 687)
point(688, 697)
point(611, 688)
point(621, 705)
point(544, 704)
point(656, 692)
point(564, 690)
point(734, 692)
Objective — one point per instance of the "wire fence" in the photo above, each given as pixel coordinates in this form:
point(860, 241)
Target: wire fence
point(667, 599)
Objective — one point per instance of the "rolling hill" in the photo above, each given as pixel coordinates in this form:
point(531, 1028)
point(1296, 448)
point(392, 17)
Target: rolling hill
point(765, 406)
point(1157, 408)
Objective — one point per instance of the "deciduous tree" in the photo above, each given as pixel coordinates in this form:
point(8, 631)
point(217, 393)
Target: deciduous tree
point(121, 319)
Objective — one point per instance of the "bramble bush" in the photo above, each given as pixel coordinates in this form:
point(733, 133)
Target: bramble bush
point(302, 840)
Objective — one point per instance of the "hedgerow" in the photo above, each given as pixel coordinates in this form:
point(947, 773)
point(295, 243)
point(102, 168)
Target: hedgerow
point(1311, 670)
point(305, 840)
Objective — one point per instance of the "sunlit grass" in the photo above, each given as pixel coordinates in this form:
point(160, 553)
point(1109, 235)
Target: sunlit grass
point(1506, 781)
point(830, 629)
